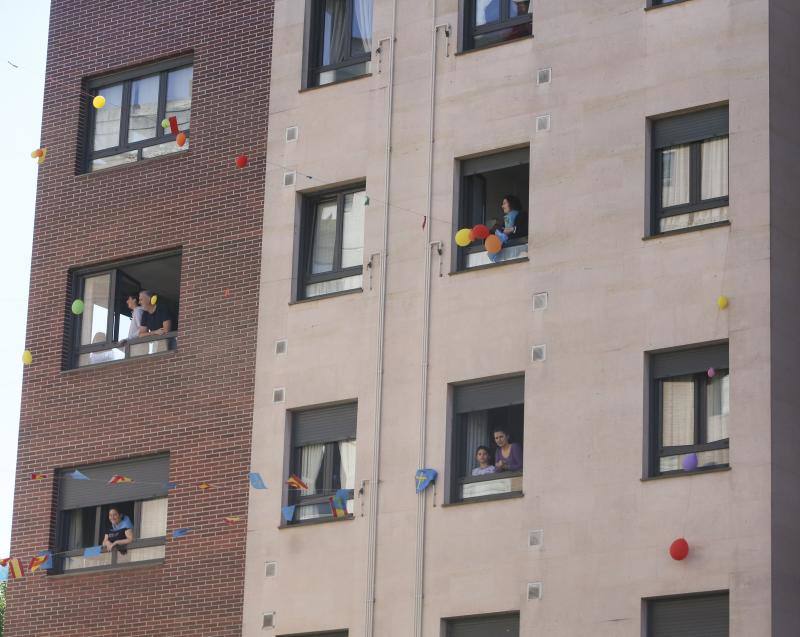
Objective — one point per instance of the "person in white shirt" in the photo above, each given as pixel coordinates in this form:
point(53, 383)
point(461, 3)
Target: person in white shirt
point(136, 316)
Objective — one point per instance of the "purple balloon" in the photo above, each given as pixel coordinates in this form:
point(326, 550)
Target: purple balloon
point(689, 462)
point(711, 372)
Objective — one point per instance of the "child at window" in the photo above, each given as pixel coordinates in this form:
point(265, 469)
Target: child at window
point(508, 227)
point(483, 457)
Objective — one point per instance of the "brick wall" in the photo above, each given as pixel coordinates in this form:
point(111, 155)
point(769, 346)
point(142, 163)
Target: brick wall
point(195, 402)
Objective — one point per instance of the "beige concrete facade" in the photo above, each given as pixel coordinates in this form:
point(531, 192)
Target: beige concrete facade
point(612, 297)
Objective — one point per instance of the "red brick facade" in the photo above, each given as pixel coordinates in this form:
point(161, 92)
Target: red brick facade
point(196, 402)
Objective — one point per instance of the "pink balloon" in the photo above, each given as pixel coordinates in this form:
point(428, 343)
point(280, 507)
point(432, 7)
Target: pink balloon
point(711, 372)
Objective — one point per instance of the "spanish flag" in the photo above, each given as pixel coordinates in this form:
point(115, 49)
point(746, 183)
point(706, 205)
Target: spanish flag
point(296, 483)
point(14, 567)
point(38, 476)
point(204, 485)
point(39, 561)
point(118, 479)
point(231, 519)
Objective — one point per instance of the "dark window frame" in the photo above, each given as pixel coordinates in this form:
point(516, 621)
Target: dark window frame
point(77, 279)
point(307, 232)
point(447, 623)
point(656, 449)
point(649, 602)
point(470, 29)
point(315, 20)
point(330, 461)
point(126, 78)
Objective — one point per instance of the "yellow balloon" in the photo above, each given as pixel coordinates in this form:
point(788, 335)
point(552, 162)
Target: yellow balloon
point(463, 237)
point(27, 357)
point(99, 101)
point(722, 302)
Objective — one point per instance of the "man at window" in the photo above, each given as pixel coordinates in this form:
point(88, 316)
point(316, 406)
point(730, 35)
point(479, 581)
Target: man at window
point(137, 316)
point(120, 534)
point(156, 318)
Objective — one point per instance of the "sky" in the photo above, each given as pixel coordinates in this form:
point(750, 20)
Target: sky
point(23, 42)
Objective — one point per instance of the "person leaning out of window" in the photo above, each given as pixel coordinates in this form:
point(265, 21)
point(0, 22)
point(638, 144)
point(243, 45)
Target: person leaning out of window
point(508, 455)
point(505, 228)
point(156, 318)
point(120, 534)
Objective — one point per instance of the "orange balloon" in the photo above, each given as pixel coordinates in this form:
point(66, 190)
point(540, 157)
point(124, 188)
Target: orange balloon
point(180, 139)
point(492, 244)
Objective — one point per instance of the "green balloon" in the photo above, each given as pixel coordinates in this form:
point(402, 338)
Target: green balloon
point(164, 123)
point(77, 306)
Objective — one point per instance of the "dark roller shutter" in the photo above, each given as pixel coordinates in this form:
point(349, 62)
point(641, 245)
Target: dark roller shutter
point(701, 616)
point(691, 127)
point(491, 626)
point(490, 394)
point(326, 424)
point(497, 161)
point(690, 361)
point(150, 477)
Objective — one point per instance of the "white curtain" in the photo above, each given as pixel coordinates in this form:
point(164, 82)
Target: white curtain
point(334, 47)
point(677, 415)
point(718, 406)
point(353, 230)
point(675, 175)
point(715, 168)
point(347, 468)
point(310, 464)
point(362, 10)
point(153, 522)
point(476, 424)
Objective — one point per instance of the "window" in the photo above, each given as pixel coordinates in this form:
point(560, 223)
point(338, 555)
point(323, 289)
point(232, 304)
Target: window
point(335, 633)
point(704, 615)
point(323, 456)
point(83, 512)
point(485, 415)
point(332, 252)
point(488, 22)
point(501, 625)
point(128, 128)
point(659, 3)
point(107, 329)
point(690, 170)
point(690, 402)
point(339, 40)
point(486, 183)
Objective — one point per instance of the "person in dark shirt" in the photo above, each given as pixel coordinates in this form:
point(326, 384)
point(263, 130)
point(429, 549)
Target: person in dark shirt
point(156, 318)
point(120, 534)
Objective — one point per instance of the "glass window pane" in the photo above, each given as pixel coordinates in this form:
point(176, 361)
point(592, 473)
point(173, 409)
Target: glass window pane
point(487, 11)
point(503, 35)
point(715, 168)
point(675, 176)
point(705, 459)
point(344, 73)
point(103, 356)
point(717, 406)
point(144, 109)
point(336, 285)
point(677, 412)
point(153, 521)
point(353, 233)
point(692, 219)
point(518, 7)
point(94, 320)
point(107, 119)
point(167, 148)
point(115, 160)
point(311, 457)
point(362, 27)
point(334, 32)
point(324, 240)
point(179, 96)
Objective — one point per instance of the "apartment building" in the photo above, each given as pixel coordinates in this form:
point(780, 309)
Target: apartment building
point(115, 419)
point(612, 333)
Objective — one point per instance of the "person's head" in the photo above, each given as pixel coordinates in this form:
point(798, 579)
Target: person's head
point(511, 202)
point(482, 455)
point(132, 301)
point(114, 517)
point(99, 337)
point(522, 6)
point(144, 298)
point(501, 438)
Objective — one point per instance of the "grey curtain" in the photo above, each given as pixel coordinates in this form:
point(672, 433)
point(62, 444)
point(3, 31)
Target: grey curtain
point(335, 32)
point(475, 426)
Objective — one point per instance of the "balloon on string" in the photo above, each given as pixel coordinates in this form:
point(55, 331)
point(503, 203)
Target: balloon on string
point(689, 462)
point(180, 139)
point(492, 244)
point(165, 123)
point(711, 372)
point(480, 231)
point(77, 306)
point(722, 302)
point(464, 237)
point(37, 153)
point(27, 357)
point(99, 101)
point(679, 549)
point(241, 161)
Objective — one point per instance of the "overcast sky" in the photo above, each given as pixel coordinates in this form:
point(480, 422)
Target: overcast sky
point(23, 42)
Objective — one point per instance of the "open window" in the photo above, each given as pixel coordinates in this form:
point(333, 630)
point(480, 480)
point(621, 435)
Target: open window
point(83, 513)
point(487, 439)
point(494, 193)
point(323, 456)
point(128, 127)
point(497, 625)
point(488, 22)
point(107, 329)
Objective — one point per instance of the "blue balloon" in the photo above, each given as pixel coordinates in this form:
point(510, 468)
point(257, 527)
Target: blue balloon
point(689, 462)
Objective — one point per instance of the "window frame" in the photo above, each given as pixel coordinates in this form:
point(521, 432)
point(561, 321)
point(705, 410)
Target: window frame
point(308, 225)
point(470, 29)
point(77, 287)
point(447, 623)
point(656, 449)
point(315, 10)
point(126, 78)
point(326, 470)
point(649, 602)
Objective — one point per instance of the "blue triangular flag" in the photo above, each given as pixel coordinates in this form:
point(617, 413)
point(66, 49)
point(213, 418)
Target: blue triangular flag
point(48, 563)
point(288, 512)
point(171, 485)
point(77, 475)
point(180, 532)
point(3, 573)
point(256, 480)
point(92, 551)
point(424, 478)
point(343, 494)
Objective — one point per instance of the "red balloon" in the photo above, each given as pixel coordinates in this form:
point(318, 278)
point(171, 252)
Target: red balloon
point(241, 161)
point(180, 139)
point(492, 244)
point(679, 549)
point(480, 232)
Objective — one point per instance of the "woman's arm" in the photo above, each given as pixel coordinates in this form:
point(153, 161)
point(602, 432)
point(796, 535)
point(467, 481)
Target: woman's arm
point(108, 545)
point(515, 457)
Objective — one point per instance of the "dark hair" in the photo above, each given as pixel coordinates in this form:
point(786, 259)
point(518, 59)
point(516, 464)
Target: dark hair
point(132, 295)
point(514, 202)
point(502, 431)
point(486, 449)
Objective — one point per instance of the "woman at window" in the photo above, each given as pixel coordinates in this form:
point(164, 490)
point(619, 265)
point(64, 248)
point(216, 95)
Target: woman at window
point(120, 534)
point(132, 301)
point(484, 462)
point(506, 228)
point(508, 455)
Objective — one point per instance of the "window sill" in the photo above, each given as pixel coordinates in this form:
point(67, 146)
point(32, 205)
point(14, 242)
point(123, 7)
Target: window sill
point(682, 474)
point(669, 233)
point(108, 569)
point(349, 79)
point(105, 365)
point(148, 161)
point(486, 498)
point(661, 6)
point(327, 296)
point(488, 266)
point(316, 521)
point(496, 44)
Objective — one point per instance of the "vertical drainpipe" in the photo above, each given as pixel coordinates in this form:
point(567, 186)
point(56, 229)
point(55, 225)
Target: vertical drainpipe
point(374, 484)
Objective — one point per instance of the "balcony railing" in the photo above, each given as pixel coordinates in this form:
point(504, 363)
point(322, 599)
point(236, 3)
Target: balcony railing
point(133, 348)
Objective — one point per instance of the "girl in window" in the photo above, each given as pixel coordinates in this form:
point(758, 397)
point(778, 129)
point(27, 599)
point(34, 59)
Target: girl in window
point(120, 534)
point(484, 459)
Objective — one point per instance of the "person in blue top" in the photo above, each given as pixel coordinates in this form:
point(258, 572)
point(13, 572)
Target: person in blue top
point(507, 227)
point(120, 534)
